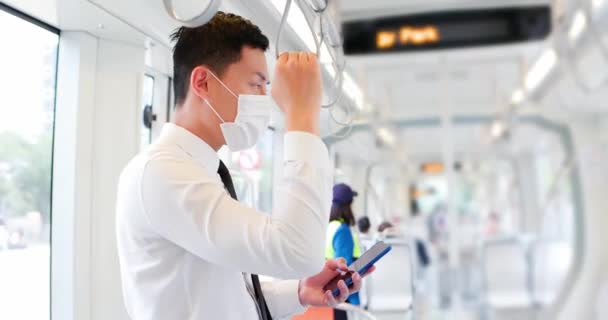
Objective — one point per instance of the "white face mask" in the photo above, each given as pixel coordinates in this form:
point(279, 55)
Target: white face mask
point(252, 118)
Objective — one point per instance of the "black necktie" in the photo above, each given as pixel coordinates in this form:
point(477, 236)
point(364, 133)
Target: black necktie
point(259, 296)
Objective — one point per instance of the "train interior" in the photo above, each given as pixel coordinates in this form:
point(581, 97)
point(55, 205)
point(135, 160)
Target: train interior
point(475, 133)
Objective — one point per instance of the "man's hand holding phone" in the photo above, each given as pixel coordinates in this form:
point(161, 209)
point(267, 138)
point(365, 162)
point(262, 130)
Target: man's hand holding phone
point(337, 281)
point(313, 292)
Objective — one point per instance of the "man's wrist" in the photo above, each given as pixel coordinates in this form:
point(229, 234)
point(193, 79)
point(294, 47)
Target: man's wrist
point(303, 121)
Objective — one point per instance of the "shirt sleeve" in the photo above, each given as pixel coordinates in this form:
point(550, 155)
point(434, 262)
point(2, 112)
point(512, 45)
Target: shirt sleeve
point(186, 206)
point(343, 244)
point(282, 298)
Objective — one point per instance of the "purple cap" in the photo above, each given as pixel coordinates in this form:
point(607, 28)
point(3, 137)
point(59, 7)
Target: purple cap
point(343, 194)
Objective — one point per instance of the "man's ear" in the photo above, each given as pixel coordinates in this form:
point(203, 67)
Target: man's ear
point(199, 81)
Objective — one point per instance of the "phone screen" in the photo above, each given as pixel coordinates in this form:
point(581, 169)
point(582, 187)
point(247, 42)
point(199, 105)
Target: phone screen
point(361, 265)
point(370, 256)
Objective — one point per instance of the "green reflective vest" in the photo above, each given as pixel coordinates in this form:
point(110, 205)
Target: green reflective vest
point(330, 253)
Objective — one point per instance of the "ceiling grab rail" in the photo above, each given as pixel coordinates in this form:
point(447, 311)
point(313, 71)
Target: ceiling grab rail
point(339, 69)
point(319, 41)
point(208, 12)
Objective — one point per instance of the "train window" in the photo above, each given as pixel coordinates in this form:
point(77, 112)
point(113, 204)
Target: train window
point(28, 62)
point(252, 172)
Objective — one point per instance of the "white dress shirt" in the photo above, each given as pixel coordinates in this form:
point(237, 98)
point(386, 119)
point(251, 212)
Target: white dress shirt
point(184, 244)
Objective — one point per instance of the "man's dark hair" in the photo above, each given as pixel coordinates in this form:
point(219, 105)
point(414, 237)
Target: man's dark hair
point(342, 212)
point(363, 224)
point(216, 44)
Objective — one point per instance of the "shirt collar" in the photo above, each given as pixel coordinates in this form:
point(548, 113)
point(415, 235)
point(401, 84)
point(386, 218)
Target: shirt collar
point(194, 146)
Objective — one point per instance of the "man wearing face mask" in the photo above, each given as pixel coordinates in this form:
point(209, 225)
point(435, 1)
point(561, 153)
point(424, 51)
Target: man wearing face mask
point(188, 249)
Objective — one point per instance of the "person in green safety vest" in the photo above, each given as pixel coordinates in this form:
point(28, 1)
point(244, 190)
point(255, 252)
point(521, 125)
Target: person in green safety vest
point(341, 242)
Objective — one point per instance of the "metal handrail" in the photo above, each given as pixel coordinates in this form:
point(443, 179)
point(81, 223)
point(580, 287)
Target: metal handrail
point(318, 43)
point(355, 309)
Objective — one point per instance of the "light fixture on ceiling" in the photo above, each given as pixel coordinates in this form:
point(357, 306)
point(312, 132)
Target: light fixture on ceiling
point(541, 69)
point(368, 107)
point(498, 129)
point(338, 172)
point(597, 4)
point(518, 97)
point(386, 136)
point(578, 25)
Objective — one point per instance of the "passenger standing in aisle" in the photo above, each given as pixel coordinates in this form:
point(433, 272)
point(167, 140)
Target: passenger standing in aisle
point(341, 242)
point(188, 249)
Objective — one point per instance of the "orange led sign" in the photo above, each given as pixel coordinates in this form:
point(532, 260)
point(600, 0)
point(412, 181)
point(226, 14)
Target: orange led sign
point(407, 35)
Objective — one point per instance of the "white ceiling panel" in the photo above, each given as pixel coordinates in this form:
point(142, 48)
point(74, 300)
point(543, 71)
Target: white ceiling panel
point(468, 86)
point(468, 81)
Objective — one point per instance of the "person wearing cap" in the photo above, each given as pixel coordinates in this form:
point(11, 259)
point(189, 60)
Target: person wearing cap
point(341, 242)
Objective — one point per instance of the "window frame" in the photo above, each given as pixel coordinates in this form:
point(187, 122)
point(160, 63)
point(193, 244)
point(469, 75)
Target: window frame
point(49, 28)
point(170, 98)
point(24, 16)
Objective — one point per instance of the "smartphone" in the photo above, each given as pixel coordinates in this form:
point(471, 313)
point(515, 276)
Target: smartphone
point(361, 265)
